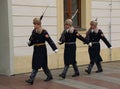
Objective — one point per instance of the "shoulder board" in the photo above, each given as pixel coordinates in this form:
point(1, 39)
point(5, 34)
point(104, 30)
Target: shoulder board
point(44, 31)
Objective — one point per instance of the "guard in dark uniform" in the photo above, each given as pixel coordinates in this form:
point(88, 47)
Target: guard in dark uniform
point(38, 38)
point(68, 37)
point(94, 35)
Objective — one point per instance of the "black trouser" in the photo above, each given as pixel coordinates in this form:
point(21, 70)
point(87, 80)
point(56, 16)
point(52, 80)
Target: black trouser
point(66, 68)
point(33, 74)
point(98, 64)
point(47, 72)
point(45, 69)
point(75, 69)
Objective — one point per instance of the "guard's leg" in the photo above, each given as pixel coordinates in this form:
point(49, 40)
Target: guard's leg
point(48, 73)
point(99, 67)
point(32, 77)
point(63, 74)
point(89, 68)
point(76, 71)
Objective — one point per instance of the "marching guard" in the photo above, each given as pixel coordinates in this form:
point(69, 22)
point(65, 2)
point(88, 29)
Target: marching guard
point(39, 60)
point(93, 35)
point(68, 37)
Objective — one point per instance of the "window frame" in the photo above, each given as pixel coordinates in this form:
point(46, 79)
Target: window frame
point(69, 11)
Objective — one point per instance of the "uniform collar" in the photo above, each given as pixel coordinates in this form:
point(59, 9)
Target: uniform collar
point(70, 30)
point(39, 30)
point(95, 30)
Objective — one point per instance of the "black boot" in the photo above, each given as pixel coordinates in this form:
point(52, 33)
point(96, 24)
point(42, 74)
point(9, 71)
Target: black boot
point(76, 71)
point(63, 74)
point(48, 73)
point(89, 68)
point(99, 67)
point(32, 76)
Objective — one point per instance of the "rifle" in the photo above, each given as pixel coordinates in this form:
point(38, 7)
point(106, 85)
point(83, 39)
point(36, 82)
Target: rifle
point(74, 14)
point(96, 19)
point(43, 13)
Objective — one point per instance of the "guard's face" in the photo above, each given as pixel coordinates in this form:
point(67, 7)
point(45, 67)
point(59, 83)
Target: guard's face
point(36, 26)
point(92, 26)
point(67, 26)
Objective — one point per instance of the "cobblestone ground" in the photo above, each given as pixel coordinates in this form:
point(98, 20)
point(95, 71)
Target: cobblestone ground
point(108, 79)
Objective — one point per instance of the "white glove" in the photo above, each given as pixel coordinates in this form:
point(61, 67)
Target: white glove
point(90, 44)
point(29, 42)
point(110, 47)
point(59, 42)
point(56, 50)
